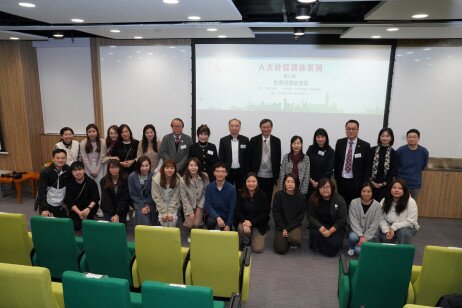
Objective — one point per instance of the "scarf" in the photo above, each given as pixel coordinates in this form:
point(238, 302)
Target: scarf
point(375, 163)
point(295, 158)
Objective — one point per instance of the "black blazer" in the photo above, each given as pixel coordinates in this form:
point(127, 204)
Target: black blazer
point(361, 165)
point(115, 203)
point(225, 153)
point(261, 217)
point(254, 154)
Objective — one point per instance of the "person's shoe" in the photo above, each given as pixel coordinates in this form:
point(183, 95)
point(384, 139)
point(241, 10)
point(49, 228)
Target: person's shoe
point(128, 217)
point(293, 247)
point(189, 239)
point(351, 252)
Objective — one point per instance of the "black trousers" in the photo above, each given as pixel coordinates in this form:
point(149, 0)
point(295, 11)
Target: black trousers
point(236, 177)
point(56, 211)
point(329, 246)
point(76, 219)
point(267, 185)
point(347, 189)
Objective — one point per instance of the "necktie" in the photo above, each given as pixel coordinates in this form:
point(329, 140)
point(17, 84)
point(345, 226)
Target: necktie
point(177, 142)
point(349, 157)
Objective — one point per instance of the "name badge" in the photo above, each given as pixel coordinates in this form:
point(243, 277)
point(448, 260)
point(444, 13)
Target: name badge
point(183, 146)
point(210, 152)
point(358, 155)
point(243, 146)
point(321, 153)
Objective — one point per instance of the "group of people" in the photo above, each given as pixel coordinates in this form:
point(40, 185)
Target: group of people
point(233, 187)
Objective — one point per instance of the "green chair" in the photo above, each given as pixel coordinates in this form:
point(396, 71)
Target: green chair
point(28, 286)
point(159, 255)
point(106, 249)
point(378, 279)
point(217, 263)
point(55, 244)
point(15, 243)
point(86, 290)
point(157, 294)
point(440, 274)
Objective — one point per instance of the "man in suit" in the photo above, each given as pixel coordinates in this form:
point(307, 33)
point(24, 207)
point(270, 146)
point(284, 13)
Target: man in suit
point(352, 163)
point(264, 158)
point(233, 152)
point(175, 145)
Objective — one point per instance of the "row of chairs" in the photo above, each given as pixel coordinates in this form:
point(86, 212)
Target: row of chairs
point(31, 286)
point(384, 276)
point(103, 249)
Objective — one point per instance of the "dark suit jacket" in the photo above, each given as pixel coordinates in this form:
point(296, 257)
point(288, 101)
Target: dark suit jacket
point(361, 165)
point(254, 154)
point(225, 152)
point(168, 150)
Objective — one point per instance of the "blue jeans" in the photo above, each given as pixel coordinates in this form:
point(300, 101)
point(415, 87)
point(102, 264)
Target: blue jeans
point(402, 236)
point(353, 239)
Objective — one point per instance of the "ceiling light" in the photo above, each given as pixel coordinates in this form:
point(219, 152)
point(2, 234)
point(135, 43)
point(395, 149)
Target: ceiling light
point(420, 15)
point(26, 4)
point(302, 12)
point(58, 35)
point(212, 29)
point(376, 36)
point(137, 37)
point(115, 31)
point(14, 38)
point(427, 49)
point(77, 20)
point(306, 1)
point(392, 29)
point(170, 1)
point(194, 18)
point(112, 46)
point(409, 52)
point(222, 36)
point(299, 31)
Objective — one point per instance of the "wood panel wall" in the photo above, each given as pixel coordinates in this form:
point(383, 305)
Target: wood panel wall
point(47, 144)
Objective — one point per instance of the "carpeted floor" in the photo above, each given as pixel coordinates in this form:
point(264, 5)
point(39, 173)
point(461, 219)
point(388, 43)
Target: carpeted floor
point(301, 278)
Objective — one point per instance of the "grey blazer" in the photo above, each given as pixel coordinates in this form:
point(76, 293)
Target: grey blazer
point(168, 150)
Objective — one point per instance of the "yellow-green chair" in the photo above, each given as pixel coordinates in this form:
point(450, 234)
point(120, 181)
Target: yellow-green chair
point(159, 255)
point(440, 274)
point(416, 306)
point(28, 286)
point(15, 242)
point(216, 262)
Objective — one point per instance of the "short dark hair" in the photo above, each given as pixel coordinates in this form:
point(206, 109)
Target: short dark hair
point(121, 128)
point(177, 119)
point(77, 165)
point(413, 130)
point(61, 132)
point(203, 129)
point(244, 191)
point(140, 161)
point(367, 184)
point(294, 177)
point(352, 121)
point(56, 151)
point(220, 165)
point(390, 132)
point(321, 132)
point(265, 121)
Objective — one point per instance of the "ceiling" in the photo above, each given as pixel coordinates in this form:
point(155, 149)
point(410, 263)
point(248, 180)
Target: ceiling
point(154, 19)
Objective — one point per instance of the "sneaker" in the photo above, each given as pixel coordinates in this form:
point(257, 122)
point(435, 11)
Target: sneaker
point(189, 239)
point(351, 252)
point(293, 247)
point(128, 217)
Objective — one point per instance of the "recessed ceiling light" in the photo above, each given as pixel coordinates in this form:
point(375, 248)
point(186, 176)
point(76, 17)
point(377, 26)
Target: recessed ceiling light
point(392, 29)
point(306, 1)
point(115, 31)
point(376, 36)
point(212, 29)
point(170, 1)
point(14, 38)
point(194, 17)
point(26, 4)
point(427, 49)
point(137, 37)
point(222, 36)
point(77, 20)
point(111, 53)
point(150, 53)
point(58, 35)
point(301, 17)
point(409, 52)
point(112, 46)
point(299, 31)
point(420, 15)
point(138, 51)
point(302, 12)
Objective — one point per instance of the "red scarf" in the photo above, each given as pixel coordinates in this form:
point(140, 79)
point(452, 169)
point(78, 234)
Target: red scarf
point(295, 158)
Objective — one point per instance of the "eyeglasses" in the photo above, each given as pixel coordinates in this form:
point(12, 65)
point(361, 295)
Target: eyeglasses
point(351, 129)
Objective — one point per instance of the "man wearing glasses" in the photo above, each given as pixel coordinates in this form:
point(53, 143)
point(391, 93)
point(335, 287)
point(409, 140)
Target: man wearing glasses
point(352, 162)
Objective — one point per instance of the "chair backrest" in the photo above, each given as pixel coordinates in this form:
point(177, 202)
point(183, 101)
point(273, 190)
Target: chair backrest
point(55, 245)
point(26, 286)
point(441, 274)
point(157, 294)
point(15, 243)
point(382, 275)
point(83, 290)
point(215, 261)
point(106, 249)
point(158, 254)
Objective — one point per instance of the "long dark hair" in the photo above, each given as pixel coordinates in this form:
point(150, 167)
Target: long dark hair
point(89, 146)
point(402, 202)
point(244, 191)
point(140, 161)
point(187, 175)
point(121, 128)
point(295, 178)
point(109, 141)
point(145, 142)
point(163, 179)
point(315, 196)
point(321, 132)
point(108, 177)
point(291, 153)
